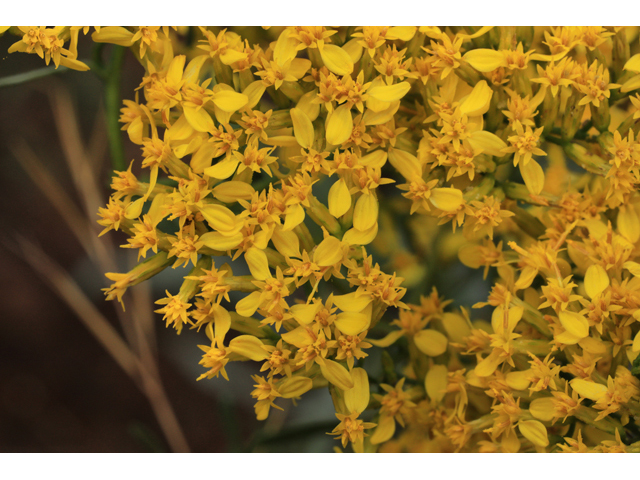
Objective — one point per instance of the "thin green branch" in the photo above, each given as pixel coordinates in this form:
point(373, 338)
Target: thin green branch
point(113, 104)
point(20, 78)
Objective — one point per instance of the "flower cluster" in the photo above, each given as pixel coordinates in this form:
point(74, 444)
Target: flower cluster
point(313, 156)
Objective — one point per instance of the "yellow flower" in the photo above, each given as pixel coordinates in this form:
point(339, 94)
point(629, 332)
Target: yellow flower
point(448, 53)
point(351, 429)
point(175, 311)
point(524, 144)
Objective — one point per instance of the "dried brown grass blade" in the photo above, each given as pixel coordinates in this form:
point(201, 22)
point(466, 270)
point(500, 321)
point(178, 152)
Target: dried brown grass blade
point(85, 174)
point(64, 285)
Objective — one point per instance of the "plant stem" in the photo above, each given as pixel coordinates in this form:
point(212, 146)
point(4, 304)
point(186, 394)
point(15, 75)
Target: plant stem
point(112, 106)
point(19, 78)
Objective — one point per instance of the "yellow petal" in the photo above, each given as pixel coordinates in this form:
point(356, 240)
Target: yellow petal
point(384, 431)
point(540, 57)
point(192, 70)
point(635, 347)
point(220, 218)
point(387, 340)
point(597, 229)
point(295, 386)
point(574, 323)
point(220, 242)
point(479, 33)
point(262, 408)
point(633, 267)
point(175, 70)
point(510, 442)
point(222, 321)
point(298, 337)
point(336, 374)
point(518, 380)
point(632, 84)
point(526, 278)
point(353, 236)
point(198, 163)
point(356, 399)
point(74, 64)
point(592, 391)
point(302, 128)
point(567, 338)
point(534, 431)
point(254, 92)
point(286, 242)
point(514, 314)
point(18, 46)
point(248, 305)
point(258, 264)
point(328, 253)
point(232, 191)
point(308, 106)
point(261, 239)
point(299, 67)
point(248, 346)
point(285, 48)
point(375, 159)
point(628, 224)
point(339, 125)
point(351, 302)
point(202, 158)
point(229, 101)
point(543, 408)
point(477, 102)
point(456, 326)
point(596, 280)
point(199, 119)
point(339, 198)
point(305, 314)
point(431, 342)
point(401, 33)
point(405, 163)
point(487, 366)
point(365, 213)
point(484, 59)
point(593, 346)
point(135, 131)
point(390, 93)
point(354, 49)
point(117, 35)
point(633, 64)
point(378, 117)
point(232, 56)
point(282, 141)
point(488, 143)
point(446, 199)
point(156, 210)
point(134, 209)
point(352, 323)
point(533, 176)
point(373, 103)
point(180, 130)
point(471, 256)
point(337, 60)
point(435, 383)
point(294, 217)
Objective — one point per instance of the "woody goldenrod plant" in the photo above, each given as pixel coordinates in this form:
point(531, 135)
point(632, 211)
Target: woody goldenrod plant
point(316, 153)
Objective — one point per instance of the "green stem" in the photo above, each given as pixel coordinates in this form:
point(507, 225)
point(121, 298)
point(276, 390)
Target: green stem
point(112, 105)
point(20, 78)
